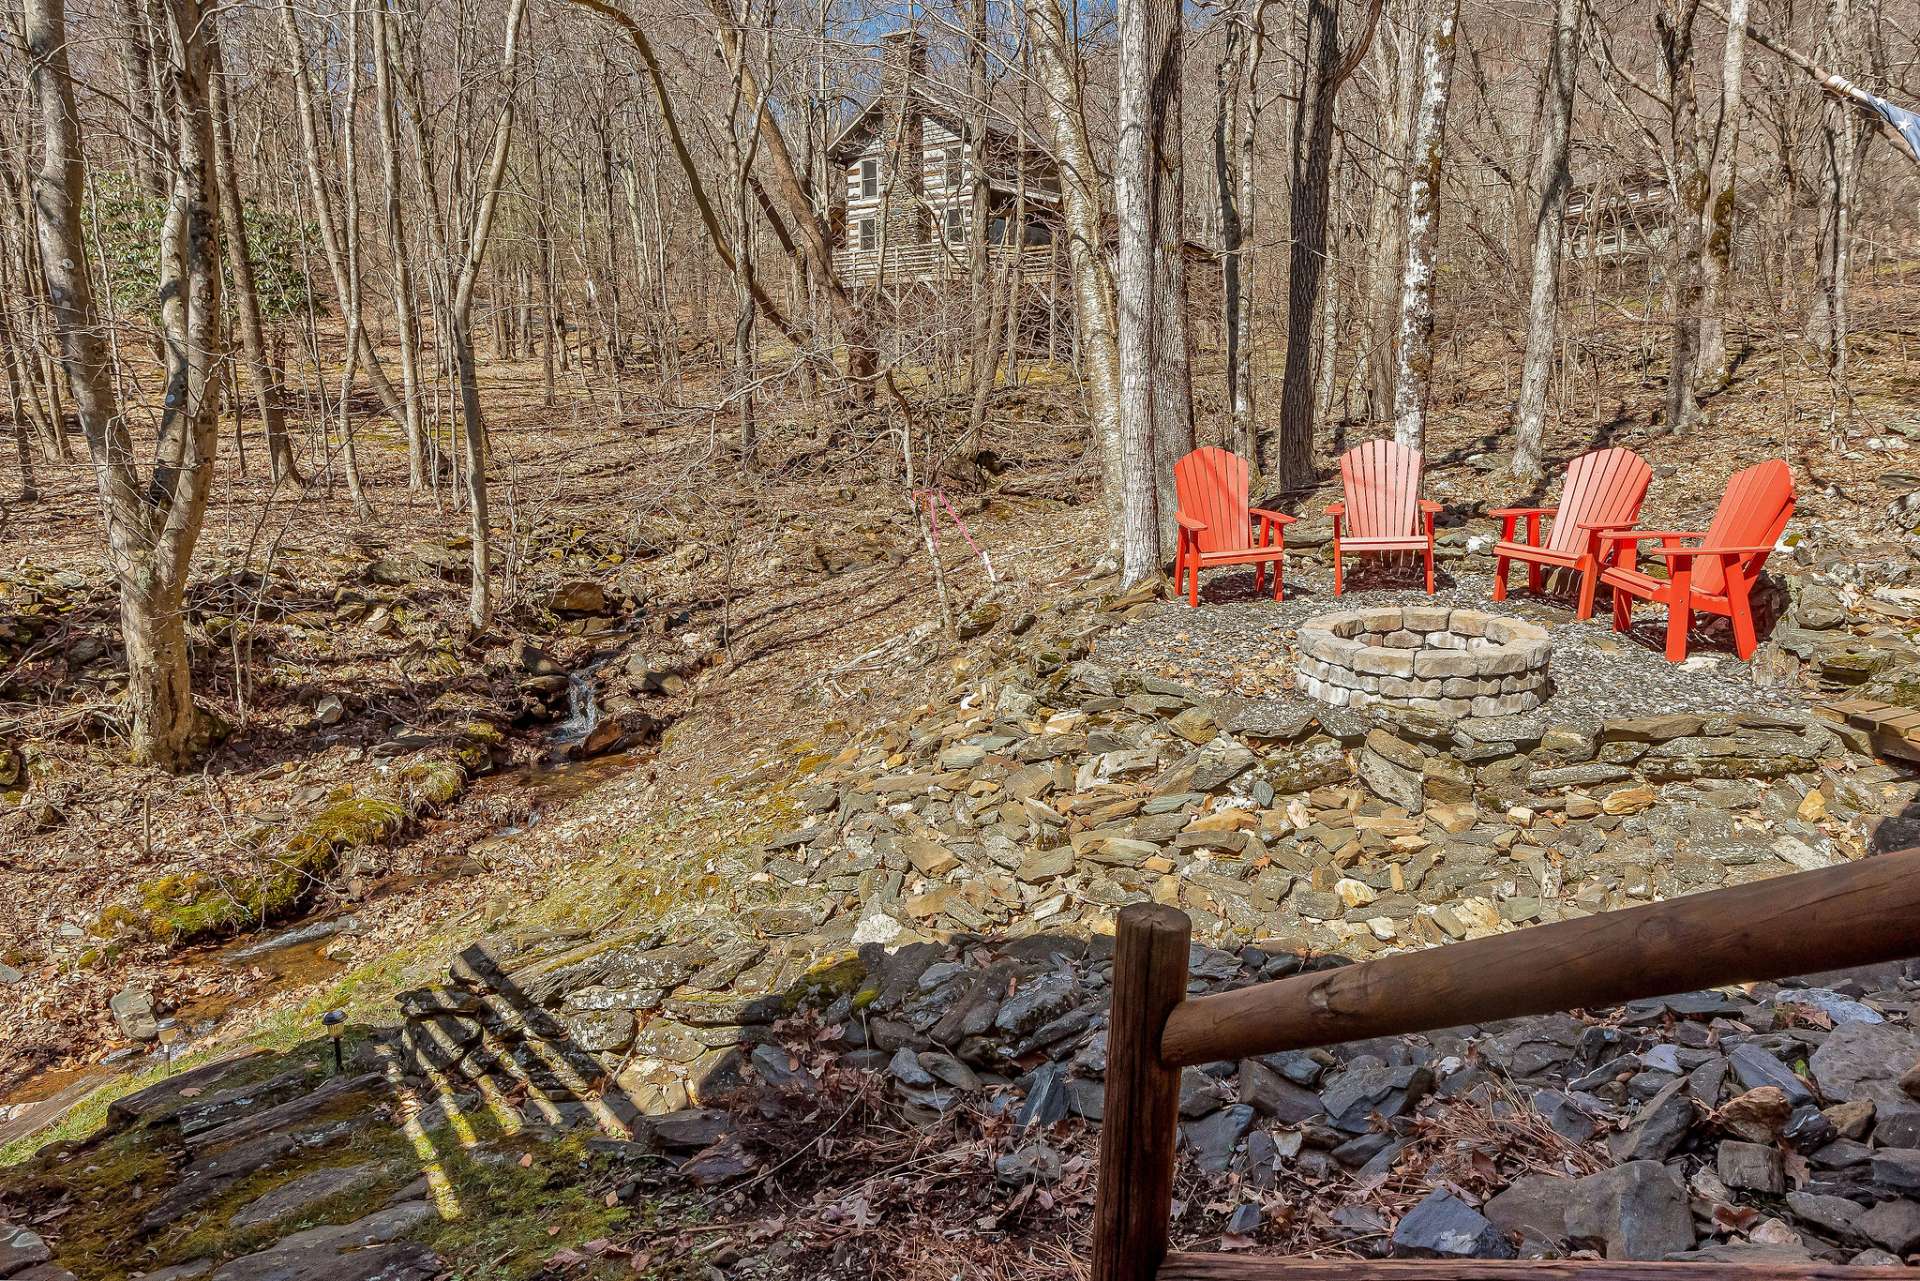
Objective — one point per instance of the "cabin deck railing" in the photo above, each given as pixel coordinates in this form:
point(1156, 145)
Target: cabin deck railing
point(934, 263)
point(1861, 913)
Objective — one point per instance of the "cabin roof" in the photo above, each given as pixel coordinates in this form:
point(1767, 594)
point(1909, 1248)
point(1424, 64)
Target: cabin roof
point(934, 100)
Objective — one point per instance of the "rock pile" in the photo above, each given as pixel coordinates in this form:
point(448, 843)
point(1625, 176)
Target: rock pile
point(1778, 1123)
point(1046, 801)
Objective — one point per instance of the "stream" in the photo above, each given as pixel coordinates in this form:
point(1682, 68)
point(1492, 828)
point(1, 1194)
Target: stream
point(296, 956)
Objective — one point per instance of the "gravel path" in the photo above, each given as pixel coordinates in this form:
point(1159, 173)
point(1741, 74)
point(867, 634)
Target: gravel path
point(1238, 643)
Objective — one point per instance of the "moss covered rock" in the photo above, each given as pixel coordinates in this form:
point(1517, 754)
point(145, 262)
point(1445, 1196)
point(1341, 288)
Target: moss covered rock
point(200, 906)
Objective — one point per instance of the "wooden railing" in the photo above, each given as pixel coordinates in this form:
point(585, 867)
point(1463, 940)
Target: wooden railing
point(1857, 914)
point(934, 263)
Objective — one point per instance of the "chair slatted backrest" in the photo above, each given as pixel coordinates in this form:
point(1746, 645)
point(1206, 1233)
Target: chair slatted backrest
point(1605, 486)
point(1211, 485)
point(1752, 513)
point(1382, 480)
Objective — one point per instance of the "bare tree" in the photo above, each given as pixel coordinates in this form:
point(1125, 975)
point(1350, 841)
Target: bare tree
point(1415, 383)
point(1082, 214)
point(460, 328)
point(306, 113)
point(1234, 122)
point(1552, 184)
point(1288, 455)
point(152, 523)
point(246, 294)
point(406, 303)
point(1717, 217)
point(1148, 278)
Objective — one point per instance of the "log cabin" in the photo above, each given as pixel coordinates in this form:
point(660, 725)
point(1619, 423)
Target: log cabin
point(907, 182)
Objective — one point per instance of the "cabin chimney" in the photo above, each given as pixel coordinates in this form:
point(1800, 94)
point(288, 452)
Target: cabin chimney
point(903, 59)
point(903, 62)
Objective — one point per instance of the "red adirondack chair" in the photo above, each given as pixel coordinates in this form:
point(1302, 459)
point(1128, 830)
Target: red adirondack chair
point(1603, 490)
point(1716, 575)
point(1216, 525)
point(1383, 512)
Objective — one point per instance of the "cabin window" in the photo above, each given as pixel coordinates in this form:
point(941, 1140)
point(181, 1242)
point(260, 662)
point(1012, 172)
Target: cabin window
point(997, 230)
point(866, 230)
point(869, 178)
point(956, 223)
point(1039, 233)
point(956, 166)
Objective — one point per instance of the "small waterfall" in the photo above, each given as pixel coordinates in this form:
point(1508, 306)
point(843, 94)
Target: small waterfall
point(583, 705)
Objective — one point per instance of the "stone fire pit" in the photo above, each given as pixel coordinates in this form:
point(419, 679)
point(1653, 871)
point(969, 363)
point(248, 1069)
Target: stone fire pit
point(1457, 662)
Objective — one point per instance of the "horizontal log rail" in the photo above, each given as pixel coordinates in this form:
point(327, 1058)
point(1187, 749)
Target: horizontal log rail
point(1855, 914)
point(1253, 1267)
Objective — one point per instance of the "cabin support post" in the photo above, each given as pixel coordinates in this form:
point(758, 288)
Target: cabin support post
point(1143, 1095)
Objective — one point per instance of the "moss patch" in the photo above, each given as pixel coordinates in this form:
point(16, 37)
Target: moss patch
point(513, 1216)
point(199, 907)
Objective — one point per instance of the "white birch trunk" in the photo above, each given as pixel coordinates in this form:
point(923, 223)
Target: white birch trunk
point(1717, 253)
point(1551, 182)
point(1415, 382)
point(1140, 21)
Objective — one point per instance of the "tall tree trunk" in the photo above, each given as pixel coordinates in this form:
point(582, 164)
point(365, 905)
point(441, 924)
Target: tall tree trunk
point(406, 305)
point(1327, 338)
point(1234, 101)
point(281, 465)
point(350, 224)
point(979, 277)
point(742, 144)
point(306, 113)
point(1842, 137)
point(1288, 456)
point(151, 529)
point(1172, 372)
point(1717, 260)
point(29, 490)
point(1415, 383)
point(1150, 275)
point(460, 313)
point(1095, 324)
point(1687, 178)
point(1386, 235)
point(1552, 181)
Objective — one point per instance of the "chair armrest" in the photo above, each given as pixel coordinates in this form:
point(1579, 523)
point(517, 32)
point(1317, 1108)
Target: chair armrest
point(1429, 506)
point(1522, 511)
point(1641, 535)
point(1336, 510)
point(1188, 522)
point(1708, 551)
point(1599, 526)
point(1278, 518)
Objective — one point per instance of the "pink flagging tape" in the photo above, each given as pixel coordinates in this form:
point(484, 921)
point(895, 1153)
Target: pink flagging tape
point(933, 524)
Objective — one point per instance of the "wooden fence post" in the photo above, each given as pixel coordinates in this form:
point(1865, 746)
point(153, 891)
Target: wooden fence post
point(1137, 1132)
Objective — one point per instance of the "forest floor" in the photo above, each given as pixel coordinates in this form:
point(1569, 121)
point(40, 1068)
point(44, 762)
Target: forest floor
point(752, 620)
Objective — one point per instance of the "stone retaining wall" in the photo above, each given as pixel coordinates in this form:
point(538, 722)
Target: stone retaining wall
point(1454, 662)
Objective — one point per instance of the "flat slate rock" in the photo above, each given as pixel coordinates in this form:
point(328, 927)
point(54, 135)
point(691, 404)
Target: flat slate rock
point(1445, 1227)
point(20, 1249)
point(377, 1228)
point(328, 1094)
point(163, 1096)
point(192, 1271)
point(1633, 1211)
point(299, 1194)
point(396, 1261)
point(207, 1112)
point(1864, 1061)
